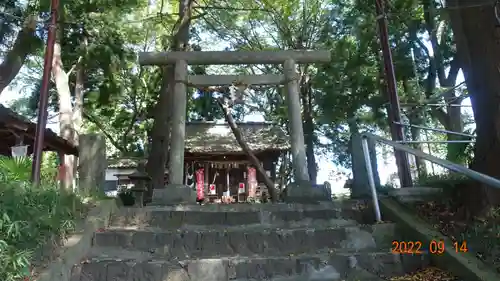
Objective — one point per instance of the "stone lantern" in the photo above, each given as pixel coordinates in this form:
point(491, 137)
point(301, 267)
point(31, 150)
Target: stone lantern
point(139, 179)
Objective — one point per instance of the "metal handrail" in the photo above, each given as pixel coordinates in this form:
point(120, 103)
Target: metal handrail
point(491, 181)
point(434, 129)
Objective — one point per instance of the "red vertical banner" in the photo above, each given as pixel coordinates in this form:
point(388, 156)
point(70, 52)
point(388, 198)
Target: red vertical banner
point(200, 182)
point(252, 182)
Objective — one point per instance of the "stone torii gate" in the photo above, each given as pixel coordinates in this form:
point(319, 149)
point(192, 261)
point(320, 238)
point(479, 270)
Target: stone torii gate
point(176, 192)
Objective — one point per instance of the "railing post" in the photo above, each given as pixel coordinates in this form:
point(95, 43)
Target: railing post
point(371, 181)
point(360, 185)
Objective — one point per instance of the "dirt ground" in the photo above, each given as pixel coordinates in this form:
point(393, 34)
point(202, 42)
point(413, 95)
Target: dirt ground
point(427, 274)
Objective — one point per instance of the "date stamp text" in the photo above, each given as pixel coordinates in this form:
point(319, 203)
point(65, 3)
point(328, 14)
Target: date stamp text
point(434, 247)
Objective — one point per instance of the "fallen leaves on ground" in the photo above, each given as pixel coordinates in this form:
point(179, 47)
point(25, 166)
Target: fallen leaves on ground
point(480, 233)
point(427, 274)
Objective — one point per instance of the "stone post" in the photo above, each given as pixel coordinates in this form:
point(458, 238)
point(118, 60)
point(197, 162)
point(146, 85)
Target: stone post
point(93, 162)
point(301, 190)
point(178, 129)
point(298, 150)
point(360, 186)
point(176, 192)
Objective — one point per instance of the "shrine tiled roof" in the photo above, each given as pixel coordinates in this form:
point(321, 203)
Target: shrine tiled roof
point(211, 137)
point(217, 138)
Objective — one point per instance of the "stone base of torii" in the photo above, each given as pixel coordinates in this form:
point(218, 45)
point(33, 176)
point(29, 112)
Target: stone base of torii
point(176, 193)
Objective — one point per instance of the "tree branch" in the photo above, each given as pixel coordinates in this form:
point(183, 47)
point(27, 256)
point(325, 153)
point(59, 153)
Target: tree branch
point(239, 138)
point(442, 117)
point(74, 66)
point(105, 132)
point(16, 57)
point(230, 8)
point(452, 74)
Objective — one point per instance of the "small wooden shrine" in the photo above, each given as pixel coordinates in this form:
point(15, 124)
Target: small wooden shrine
point(216, 165)
point(215, 160)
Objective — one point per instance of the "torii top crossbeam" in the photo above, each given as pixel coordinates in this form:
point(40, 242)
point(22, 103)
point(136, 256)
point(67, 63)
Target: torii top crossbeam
point(234, 57)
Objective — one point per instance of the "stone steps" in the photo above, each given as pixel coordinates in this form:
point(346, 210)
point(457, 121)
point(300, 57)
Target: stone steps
point(308, 277)
point(243, 241)
point(308, 223)
point(238, 215)
point(335, 266)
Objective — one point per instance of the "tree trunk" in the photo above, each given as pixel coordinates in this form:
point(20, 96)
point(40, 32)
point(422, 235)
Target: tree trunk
point(451, 119)
point(306, 96)
point(160, 145)
point(78, 108)
point(244, 146)
point(284, 165)
point(16, 57)
point(66, 129)
point(77, 115)
point(480, 57)
point(160, 137)
point(79, 91)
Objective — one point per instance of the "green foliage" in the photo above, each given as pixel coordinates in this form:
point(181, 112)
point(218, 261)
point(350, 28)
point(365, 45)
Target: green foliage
point(120, 98)
point(461, 153)
point(445, 181)
point(29, 216)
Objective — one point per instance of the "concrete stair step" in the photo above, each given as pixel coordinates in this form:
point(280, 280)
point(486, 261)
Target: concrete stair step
point(322, 266)
point(307, 223)
point(415, 194)
point(174, 217)
point(325, 274)
point(247, 241)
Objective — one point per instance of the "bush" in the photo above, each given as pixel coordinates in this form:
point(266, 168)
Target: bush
point(29, 215)
point(454, 186)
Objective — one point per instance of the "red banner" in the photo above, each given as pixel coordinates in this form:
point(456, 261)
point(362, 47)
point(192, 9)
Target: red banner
point(200, 192)
point(252, 182)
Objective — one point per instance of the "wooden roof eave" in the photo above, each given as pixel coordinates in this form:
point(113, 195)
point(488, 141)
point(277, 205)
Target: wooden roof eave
point(221, 153)
point(20, 125)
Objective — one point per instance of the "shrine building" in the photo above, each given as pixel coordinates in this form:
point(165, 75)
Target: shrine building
point(211, 148)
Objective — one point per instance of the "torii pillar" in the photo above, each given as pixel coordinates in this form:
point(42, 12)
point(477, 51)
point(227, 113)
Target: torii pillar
point(301, 190)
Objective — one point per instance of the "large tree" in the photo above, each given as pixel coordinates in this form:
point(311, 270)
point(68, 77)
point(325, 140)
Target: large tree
point(476, 30)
